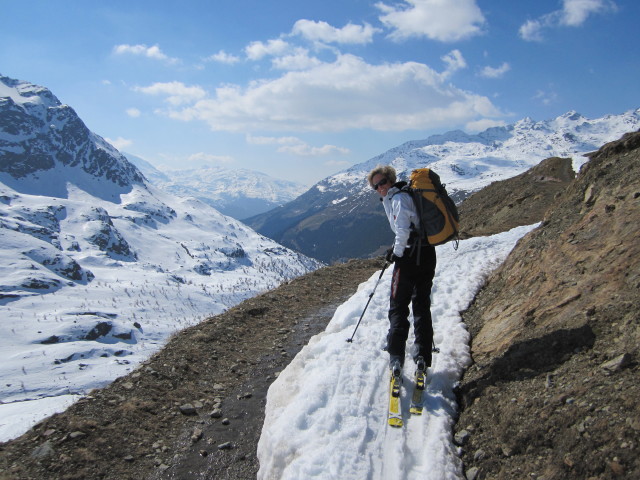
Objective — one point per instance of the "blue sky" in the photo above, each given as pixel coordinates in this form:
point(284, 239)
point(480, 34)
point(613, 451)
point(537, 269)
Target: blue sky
point(303, 89)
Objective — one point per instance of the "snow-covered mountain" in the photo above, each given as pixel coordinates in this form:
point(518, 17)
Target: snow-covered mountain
point(239, 193)
point(97, 267)
point(340, 216)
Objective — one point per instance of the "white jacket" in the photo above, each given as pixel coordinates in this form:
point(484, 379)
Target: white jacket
point(401, 212)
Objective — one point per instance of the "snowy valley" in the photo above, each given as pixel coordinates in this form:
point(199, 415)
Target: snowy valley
point(98, 268)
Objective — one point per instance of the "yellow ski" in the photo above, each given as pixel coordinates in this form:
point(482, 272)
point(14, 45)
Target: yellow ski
point(395, 415)
point(418, 389)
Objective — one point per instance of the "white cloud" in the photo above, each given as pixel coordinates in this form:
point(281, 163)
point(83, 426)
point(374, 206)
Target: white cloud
point(573, 14)
point(153, 52)
point(495, 72)
point(259, 50)
point(224, 57)
point(443, 20)
point(345, 94)
point(546, 97)
point(336, 163)
point(454, 61)
point(253, 140)
point(202, 158)
point(304, 150)
point(299, 60)
point(133, 112)
point(177, 93)
point(323, 32)
point(296, 146)
point(483, 124)
point(531, 31)
point(120, 142)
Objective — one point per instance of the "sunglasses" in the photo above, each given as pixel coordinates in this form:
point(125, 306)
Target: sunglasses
point(382, 182)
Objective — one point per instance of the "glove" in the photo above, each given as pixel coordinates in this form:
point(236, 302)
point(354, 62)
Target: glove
point(390, 256)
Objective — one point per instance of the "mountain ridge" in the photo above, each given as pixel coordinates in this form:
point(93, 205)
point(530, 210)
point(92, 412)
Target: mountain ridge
point(239, 193)
point(316, 222)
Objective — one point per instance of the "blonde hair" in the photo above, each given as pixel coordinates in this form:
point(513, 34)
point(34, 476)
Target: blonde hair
point(386, 171)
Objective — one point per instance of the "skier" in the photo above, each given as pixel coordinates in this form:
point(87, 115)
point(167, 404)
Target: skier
point(412, 274)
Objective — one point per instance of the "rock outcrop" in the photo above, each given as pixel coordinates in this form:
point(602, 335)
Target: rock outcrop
point(517, 201)
point(553, 392)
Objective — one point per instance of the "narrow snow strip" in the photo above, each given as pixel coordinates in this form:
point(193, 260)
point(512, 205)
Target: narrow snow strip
point(326, 414)
point(17, 417)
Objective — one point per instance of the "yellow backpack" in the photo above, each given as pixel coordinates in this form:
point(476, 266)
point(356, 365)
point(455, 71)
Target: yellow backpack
point(439, 218)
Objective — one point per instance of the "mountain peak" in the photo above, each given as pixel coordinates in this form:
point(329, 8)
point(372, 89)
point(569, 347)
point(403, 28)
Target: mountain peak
point(38, 134)
point(23, 92)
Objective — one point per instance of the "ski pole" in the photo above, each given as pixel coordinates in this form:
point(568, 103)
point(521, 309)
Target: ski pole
point(350, 340)
point(434, 349)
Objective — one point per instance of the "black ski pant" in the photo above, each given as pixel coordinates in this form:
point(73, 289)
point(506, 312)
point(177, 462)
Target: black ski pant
point(411, 284)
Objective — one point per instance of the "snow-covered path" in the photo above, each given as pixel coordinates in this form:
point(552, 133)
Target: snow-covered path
point(326, 413)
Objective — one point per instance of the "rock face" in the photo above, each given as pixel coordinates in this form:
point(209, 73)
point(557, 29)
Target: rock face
point(554, 388)
point(521, 200)
point(40, 134)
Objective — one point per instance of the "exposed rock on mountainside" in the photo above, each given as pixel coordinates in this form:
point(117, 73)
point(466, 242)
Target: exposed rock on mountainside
point(39, 134)
point(521, 200)
point(554, 390)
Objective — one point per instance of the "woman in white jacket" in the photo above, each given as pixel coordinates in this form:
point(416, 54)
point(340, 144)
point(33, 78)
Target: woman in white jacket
point(412, 273)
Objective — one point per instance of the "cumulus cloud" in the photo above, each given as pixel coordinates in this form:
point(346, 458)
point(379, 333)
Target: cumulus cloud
point(304, 150)
point(296, 146)
point(202, 158)
point(454, 61)
point(347, 93)
point(495, 72)
point(261, 140)
point(483, 124)
point(223, 57)
point(298, 60)
point(258, 50)
point(120, 142)
point(323, 32)
point(153, 52)
point(176, 93)
point(133, 112)
point(442, 20)
point(531, 30)
point(573, 14)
